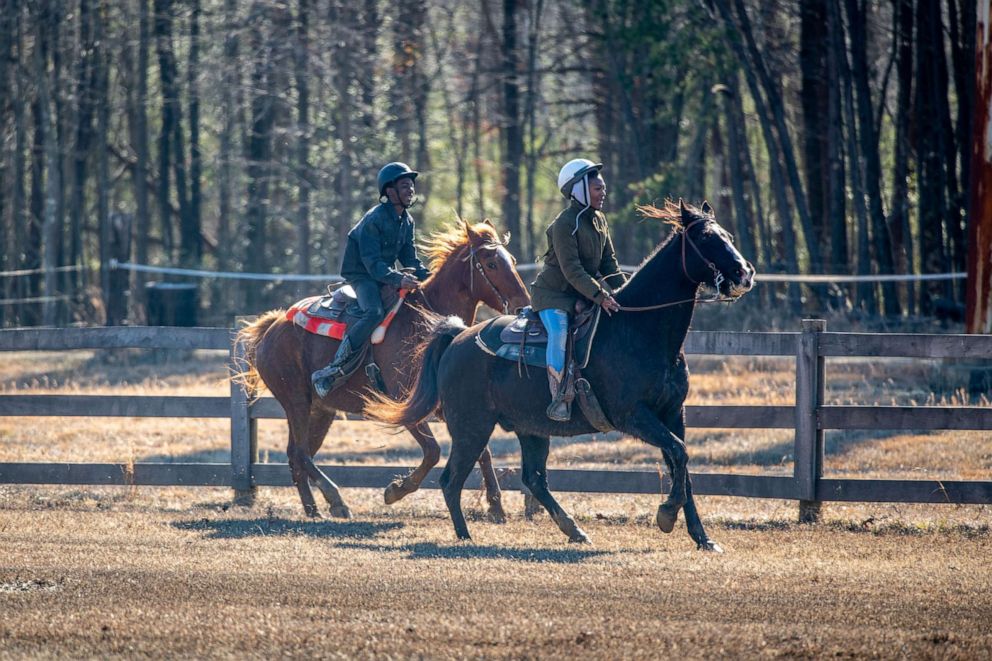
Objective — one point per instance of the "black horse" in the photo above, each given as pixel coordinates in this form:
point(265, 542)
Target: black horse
point(637, 370)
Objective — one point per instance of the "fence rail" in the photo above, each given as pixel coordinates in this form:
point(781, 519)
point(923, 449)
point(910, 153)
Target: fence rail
point(809, 417)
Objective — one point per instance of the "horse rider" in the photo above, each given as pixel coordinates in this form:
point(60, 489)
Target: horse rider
point(578, 264)
point(383, 236)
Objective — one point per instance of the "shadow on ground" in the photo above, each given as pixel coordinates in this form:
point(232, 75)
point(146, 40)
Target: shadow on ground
point(267, 527)
point(470, 551)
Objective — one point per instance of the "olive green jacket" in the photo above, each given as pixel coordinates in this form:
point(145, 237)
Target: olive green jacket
point(574, 262)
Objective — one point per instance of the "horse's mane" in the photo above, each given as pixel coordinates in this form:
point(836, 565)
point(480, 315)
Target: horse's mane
point(444, 242)
point(671, 214)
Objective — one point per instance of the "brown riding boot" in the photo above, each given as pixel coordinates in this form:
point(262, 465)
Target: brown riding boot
point(559, 410)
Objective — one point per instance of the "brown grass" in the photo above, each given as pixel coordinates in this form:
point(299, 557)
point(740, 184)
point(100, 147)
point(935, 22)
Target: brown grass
point(101, 571)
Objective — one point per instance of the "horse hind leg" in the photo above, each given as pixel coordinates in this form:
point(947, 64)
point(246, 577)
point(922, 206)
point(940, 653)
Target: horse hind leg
point(319, 423)
point(494, 495)
point(402, 487)
point(295, 453)
point(534, 454)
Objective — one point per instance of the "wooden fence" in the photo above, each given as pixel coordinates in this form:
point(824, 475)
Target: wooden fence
point(809, 417)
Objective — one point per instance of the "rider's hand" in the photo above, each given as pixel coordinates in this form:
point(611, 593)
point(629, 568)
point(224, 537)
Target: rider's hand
point(409, 283)
point(609, 304)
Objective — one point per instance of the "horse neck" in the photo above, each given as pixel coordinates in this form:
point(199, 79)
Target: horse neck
point(659, 281)
point(447, 292)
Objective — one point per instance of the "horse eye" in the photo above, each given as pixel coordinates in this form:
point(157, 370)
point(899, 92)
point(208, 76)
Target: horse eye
point(491, 266)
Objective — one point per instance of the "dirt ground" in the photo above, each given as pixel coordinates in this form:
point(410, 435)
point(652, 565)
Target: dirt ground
point(146, 571)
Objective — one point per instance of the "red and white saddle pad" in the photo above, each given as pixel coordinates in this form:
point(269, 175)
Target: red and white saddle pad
point(333, 328)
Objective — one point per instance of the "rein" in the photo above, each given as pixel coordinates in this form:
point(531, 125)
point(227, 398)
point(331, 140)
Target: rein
point(717, 278)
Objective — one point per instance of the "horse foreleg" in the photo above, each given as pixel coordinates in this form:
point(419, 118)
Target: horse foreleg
point(644, 425)
point(534, 456)
point(692, 520)
point(401, 487)
point(494, 496)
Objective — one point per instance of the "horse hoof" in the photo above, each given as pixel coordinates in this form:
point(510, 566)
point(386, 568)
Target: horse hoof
point(710, 546)
point(394, 492)
point(496, 514)
point(312, 512)
point(666, 518)
point(579, 536)
point(341, 512)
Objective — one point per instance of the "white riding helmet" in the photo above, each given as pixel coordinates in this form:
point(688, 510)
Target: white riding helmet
point(574, 171)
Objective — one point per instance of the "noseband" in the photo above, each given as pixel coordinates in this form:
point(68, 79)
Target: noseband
point(476, 265)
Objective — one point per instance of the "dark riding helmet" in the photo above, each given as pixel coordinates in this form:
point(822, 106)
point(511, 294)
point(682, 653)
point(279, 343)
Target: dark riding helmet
point(393, 172)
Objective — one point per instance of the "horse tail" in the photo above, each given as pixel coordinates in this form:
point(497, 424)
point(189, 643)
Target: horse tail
point(246, 371)
point(424, 398)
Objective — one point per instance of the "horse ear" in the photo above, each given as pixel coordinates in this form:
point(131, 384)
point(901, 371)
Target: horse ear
point(506, 239)
point(470, 234)
point(683, 210)
point(488, 222)
point(706, 208)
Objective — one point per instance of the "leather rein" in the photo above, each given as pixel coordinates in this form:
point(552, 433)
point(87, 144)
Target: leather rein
point(717, 278)
point(476, 265)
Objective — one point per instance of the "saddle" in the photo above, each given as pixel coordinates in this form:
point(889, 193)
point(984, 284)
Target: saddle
point(524, 339)
point(330, 314)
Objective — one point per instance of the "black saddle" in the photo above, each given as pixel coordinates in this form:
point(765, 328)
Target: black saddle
point(525, 339)
point(342, 304)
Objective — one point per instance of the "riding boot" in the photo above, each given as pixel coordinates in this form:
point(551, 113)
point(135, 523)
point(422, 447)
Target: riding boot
point(559, 410)
point(323, 379)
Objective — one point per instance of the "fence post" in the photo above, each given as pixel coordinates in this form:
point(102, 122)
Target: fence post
point(244, 431)
point(808, 455)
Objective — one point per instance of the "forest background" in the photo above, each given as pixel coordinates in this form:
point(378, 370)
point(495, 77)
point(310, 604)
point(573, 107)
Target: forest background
point(830, 136)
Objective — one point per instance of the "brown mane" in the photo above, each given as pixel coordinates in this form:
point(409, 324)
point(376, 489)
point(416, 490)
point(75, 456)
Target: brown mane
point(444, 242)
point(670, 213)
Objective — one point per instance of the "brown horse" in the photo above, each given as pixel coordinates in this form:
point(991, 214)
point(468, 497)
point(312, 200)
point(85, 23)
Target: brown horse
point(470, 266)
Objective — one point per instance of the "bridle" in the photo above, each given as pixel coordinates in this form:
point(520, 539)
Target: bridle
point(476, 265)
point(717, 277)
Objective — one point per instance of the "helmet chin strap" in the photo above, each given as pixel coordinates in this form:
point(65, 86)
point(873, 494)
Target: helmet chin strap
point(586, 201)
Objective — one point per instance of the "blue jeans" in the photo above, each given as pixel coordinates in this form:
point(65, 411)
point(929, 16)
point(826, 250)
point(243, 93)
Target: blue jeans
point(556, 321)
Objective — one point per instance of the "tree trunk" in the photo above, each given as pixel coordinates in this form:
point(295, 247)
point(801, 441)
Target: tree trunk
point(139, 174)
point(902, 238)
point(7, 10)
point(225, 184)
point(101, 62)
point(789, 248)
point(535, 14)
point(777, 115)
point(85, 105)
point(259, 150)
point(163, 43)
point(303, 138)
point(882, 242)
point(342, 20)
point(931, 175)
point(836, 194)
point(735, 146)
point(192, 244)
point(513, 143)
point(21, 221)
point(47, 120)
point(814, 95)
point(866, 290)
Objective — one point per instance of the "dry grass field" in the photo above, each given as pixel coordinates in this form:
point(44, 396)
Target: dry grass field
point(142, 571)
